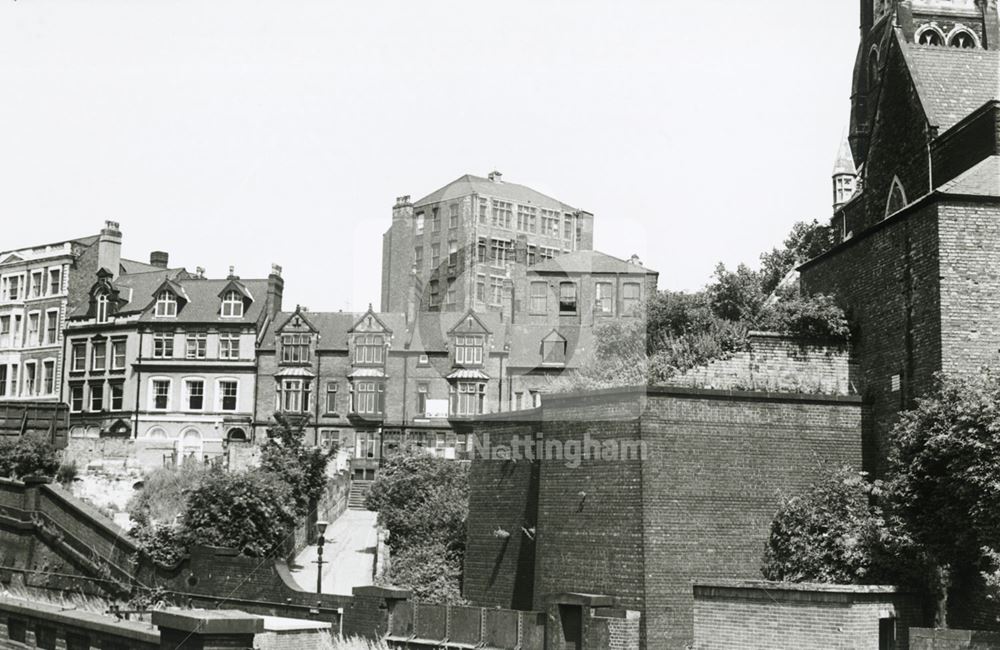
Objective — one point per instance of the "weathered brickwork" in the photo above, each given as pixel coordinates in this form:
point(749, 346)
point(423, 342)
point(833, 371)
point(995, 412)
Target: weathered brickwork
point(888, 281)
point(777, 616)
point(779, 363)
point(698, 503)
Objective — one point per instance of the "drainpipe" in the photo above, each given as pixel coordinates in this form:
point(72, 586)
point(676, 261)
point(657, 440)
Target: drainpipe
point(138, 384)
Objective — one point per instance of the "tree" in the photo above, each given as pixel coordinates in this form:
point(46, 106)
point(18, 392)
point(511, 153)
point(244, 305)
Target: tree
point(423, 501)
point(252, 511)
point(302, 468)
point(945, 464)
point(806, 241)
point(839, 533)
point(163, 496)
point(27, 455)
point(816, 316)
point(736, 295)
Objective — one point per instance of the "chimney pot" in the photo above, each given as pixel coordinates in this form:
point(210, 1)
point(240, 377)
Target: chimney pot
point(276, 270)
point(495, 176)
point(199, 272)
point(159, 258)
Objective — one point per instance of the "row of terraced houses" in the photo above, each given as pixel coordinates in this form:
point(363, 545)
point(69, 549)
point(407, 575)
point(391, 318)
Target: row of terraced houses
point(490, 291)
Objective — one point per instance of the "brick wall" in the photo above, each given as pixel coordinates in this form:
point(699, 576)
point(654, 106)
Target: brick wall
point(36, 625)
point(776, 616)
point(715, 466)
point(779, 363)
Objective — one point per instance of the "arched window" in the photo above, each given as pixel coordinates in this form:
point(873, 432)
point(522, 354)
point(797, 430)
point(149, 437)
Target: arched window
point(236, 435)
point(102, 308)
point(166, 304)
point(872, 69)
point(930, 35)
point(232, 304)
point(962, 38)
point(897, 198)
point(157, 433)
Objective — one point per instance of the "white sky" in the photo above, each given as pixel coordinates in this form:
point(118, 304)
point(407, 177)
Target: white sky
point(247, 132)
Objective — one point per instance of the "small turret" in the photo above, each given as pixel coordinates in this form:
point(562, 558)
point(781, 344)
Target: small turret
point(845, 176)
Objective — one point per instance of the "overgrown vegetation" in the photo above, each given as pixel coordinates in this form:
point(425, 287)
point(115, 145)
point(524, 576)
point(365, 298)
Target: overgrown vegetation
point(686, 330)
point(27, 455)
point(253, 511)
point(423, 502)
point(934, 521)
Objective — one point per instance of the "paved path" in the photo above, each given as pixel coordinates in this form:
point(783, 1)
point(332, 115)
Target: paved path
point(348, 556)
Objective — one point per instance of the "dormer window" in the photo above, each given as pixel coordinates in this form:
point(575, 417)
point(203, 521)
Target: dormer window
point(232, 304)
point(963, 39)
point(930, 36)
point(102, 308)
point(554, 350)
point(166, 305)
point(369, 349)
point(469, 350)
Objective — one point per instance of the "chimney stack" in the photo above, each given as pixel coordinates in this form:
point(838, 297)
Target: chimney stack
point(402, 210)
point(275, 289)
point(160, 259)
point(496, 177)
point(109, 248)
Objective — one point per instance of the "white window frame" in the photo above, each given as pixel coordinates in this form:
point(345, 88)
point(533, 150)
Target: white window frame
point(93, 355)
point(152, 393)
point(225, 351)
point(124, 343)
point(166, 305)
point(90, 397)
point(232, 304)
point(33, 339)
point(102, 308)
point(219, 395)
point(51, 315)
point(186, 384)
point(200, 340)
point(54, 278)
point(163, 336)
point(48, 377)
point(26, 390)
point(37, 284)
point(74, 346)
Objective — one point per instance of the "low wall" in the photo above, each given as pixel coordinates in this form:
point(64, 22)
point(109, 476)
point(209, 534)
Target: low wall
point(44, 626)
point(777, 616)
point(928, 639)
point(331, 504)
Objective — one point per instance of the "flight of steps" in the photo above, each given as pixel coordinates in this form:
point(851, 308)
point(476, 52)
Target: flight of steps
point(359, 492)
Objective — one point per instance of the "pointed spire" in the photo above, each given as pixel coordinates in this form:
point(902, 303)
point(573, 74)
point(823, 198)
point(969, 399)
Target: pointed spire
point(845, 160)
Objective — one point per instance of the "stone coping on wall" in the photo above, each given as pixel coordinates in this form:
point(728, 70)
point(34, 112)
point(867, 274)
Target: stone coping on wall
point(203, 621)
point(793, 591)
point(142, 632)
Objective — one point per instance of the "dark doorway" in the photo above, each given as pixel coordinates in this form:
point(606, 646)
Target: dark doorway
point(887, 634)
point(571, 617)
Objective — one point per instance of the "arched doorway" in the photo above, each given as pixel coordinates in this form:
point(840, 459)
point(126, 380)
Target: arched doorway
point(191, 446)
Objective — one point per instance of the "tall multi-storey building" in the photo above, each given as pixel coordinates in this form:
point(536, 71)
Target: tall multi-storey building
point(462, 241)
point(168, 359)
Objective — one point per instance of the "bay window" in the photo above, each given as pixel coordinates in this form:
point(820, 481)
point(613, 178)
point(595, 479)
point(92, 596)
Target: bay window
point(369, 397)
point(468, 398)
point(293, 395)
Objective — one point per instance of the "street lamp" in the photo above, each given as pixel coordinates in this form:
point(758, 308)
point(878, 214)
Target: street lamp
point(320, 541)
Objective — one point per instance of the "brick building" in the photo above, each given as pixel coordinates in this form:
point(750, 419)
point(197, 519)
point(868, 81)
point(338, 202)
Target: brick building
point(168, 359)
point(915, 262)
point(39, 287)
point(464, 240)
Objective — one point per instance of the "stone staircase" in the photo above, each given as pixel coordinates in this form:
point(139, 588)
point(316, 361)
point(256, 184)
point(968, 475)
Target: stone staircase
point(359, 492)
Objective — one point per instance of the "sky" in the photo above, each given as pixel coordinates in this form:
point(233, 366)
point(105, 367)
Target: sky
point(249, 132)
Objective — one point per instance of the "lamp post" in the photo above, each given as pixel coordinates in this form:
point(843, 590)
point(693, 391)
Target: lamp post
point(320, 541)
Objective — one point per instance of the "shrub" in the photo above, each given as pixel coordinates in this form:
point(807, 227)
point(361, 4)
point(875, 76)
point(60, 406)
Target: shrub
point(161, 500)
point(27, 455)
point(816, 316)
point(431, 571)
point(302, 468)
point(67, 473)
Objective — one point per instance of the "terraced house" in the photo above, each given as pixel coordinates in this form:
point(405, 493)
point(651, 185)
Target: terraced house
point(167, 358)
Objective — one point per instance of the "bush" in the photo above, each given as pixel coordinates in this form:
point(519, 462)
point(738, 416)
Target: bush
point(431, 571)
point(27, 455)
point(816, 316)
point(161, 501)
point(302, 468)
point(838, 533)
point(252, 512)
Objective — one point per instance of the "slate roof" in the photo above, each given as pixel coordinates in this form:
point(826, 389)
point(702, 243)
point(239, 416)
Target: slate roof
point(845, 160)
point(204, 304)
point(135, 290)
point(334, 326)
point(526, 344)
point(953, 82)
point(982, 179)
point(431, 330)
point(503, 190)
point(133, 266)
point(587, 262)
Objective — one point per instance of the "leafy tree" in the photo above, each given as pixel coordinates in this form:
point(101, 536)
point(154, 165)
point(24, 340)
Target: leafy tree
point(806, 241)
point(736, 295)
point(944, 467)
point(164, 545)
point(252, 511)
point(838, 532)
point(431, 571)
point(27, 455)
point(421, 499)
point(302, 468)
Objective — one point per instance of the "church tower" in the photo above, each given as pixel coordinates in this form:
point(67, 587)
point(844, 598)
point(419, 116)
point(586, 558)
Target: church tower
point(960, 24)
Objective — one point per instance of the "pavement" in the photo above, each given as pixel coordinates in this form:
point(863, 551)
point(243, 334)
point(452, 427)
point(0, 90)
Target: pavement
point(348, 556)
